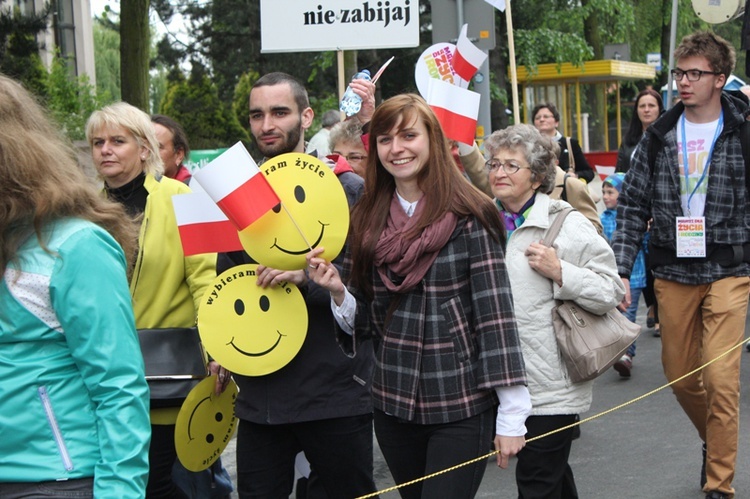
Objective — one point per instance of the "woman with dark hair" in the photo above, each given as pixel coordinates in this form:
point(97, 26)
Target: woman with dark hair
point(648, 107)
point(428, 272)
point(75, 401)
point(546, 119)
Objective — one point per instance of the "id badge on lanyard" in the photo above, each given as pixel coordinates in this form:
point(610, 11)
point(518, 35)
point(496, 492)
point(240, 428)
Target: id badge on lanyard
point(691, 237)
point(690, 232)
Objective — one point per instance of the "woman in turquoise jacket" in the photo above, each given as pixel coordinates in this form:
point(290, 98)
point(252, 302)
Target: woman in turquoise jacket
point(75, 402)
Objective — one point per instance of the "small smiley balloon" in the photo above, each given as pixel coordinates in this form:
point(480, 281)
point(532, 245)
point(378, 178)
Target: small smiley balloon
point(313, 212)
point(248, 329)
point(205, 424)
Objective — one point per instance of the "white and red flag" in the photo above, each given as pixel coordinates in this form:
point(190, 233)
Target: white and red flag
point(498, 4)
point(202, 225)
point(457, 109)
point(237, 185)
point(468, 58)
point(605, 171)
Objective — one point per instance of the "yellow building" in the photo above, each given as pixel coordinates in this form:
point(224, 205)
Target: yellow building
point(587, 96)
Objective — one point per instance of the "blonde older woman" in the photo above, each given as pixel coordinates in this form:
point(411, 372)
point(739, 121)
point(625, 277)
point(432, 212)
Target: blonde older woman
point(166, 286)
point(580, 267)
point(346, 140)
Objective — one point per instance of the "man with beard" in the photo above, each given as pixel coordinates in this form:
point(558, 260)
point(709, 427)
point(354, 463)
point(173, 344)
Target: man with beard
point(320, 402)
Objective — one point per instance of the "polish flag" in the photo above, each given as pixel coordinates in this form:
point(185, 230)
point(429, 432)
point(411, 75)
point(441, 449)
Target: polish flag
point(498, 4)
point(604, 171)
point(467, 58)
point(202, 225)
point(457, 109)
point(236, 184)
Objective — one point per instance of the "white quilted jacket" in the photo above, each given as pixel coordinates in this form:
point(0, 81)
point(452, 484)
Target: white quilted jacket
point(589, 278)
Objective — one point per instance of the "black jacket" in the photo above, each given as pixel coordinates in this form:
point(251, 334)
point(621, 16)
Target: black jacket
point(321, 382)
point(583, 169)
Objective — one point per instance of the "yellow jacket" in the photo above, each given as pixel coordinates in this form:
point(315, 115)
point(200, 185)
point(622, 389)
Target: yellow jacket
point(167, 286)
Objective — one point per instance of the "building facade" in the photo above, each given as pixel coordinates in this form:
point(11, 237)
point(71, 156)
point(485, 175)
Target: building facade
point(70, 30)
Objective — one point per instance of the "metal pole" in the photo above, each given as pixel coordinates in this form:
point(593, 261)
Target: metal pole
point(484, 120)
point(342, 83)
point(481, 85)
point(672, 37)
point(512, 57)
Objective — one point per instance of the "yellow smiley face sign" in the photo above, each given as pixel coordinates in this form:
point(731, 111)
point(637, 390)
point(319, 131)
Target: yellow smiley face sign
point(248, 329)
point(205, 424)
point(313, 212)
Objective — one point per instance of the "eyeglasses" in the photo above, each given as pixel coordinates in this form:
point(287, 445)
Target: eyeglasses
point(353, 157)
point(509, 168)
point(692, 74)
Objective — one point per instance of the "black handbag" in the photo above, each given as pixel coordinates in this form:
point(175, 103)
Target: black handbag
point(175, 362)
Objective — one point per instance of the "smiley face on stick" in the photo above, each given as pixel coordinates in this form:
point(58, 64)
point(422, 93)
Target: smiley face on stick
point(248, 329)
point(313, 212)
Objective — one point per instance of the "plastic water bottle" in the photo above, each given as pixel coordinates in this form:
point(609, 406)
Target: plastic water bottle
point(352, 103)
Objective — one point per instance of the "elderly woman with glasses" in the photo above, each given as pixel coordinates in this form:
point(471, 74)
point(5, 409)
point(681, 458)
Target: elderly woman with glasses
point(346, 141)
point(580, 267)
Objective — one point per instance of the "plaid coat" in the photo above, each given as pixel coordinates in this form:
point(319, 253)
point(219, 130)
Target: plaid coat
point(648, 193)
point(451, 340)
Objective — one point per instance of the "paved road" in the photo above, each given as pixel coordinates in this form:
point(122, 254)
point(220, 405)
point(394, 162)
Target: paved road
point(646, 450)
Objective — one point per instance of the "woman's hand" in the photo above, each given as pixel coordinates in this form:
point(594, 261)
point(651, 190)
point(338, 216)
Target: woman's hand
point(222, 377)
point(325, 275)
point(273, 277)
point(366, 90)
point(543, 259)
point(507, 447)
point(626, 300)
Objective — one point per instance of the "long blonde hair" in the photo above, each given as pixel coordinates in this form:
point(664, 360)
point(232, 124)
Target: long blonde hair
point(41, 179)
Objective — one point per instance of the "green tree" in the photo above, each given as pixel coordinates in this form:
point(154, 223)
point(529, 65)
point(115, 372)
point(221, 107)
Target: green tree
point(241, 98)
point(19, 51)
point(70, 100)
point(194, 102)
point(107, 61)
point(159, 84)
point(134, 52)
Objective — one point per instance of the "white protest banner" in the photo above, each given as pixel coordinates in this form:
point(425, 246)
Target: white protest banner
point(311, 26)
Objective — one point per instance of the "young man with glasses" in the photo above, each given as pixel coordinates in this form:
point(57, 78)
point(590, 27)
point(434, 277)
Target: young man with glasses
point(694, 189)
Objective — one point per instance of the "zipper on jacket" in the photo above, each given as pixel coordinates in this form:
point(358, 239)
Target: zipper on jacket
point(139, 258)
point(52, 420)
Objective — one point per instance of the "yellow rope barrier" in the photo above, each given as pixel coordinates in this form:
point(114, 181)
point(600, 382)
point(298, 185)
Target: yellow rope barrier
point(586, 420)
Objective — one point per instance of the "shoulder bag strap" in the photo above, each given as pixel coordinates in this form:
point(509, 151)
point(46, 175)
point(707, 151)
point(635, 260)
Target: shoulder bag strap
point(571, 160)
point(745, 143)
point(554, 229)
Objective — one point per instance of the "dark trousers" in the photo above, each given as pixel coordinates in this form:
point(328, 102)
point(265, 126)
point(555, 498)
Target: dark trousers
point(161, 459)
point(81, 488)
point(543, 471)
point(415, 450)
point(339, 451)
